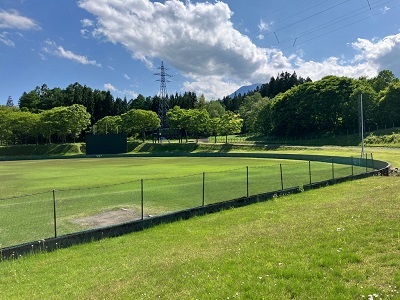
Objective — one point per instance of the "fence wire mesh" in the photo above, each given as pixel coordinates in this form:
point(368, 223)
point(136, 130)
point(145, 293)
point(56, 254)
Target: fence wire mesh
point(26, 218)
point(80, 209)
point(160, 195)
point(59, 212)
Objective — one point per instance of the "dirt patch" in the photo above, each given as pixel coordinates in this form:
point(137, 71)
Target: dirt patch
point(108, 218)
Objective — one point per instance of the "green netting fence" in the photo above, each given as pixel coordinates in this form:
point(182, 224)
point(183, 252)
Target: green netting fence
point(62, 212)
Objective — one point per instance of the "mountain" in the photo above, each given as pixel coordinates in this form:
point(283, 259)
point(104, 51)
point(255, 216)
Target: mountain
point(246, 89)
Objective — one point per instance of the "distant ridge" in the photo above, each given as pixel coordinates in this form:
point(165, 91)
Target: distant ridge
point(246, 89)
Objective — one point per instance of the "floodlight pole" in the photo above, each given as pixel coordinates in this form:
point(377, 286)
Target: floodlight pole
point(362, 127)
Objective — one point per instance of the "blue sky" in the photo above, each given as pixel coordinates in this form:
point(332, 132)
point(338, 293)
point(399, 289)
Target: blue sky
point(211, 48)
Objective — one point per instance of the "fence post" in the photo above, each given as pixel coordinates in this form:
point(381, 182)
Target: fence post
point(366, 163)
point(352, 166)
point(247, 180)
point(280, 165)
point(204, 187)
point(373, 164)
point(309, 171)
point(55, 213)
point(333, 169)
point(142, 197)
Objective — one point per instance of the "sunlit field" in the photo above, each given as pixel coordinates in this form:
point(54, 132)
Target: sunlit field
point(102, 187)
point(338, 242)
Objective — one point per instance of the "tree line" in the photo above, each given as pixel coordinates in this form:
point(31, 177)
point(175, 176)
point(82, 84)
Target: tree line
point(286, 106)
point(18, 126)
point(328, 106)
point(98, 104)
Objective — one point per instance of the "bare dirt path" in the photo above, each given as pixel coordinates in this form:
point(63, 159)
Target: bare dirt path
point(108, 218)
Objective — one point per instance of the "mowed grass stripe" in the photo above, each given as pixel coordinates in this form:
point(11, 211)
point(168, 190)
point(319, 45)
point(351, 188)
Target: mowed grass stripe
point(24, 177)
point(172, 187)
point(331, 243)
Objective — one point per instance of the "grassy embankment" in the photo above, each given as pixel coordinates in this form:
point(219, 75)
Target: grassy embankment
point(380, 138)
point(339, 242)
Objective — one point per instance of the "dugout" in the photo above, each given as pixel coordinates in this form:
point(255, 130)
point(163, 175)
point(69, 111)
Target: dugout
point(106, 143)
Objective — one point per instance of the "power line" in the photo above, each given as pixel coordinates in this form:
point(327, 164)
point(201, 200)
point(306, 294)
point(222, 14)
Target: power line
point(313, 15)
point(342, 27)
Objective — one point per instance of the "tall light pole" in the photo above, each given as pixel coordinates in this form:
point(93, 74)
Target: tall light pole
point(362, 126)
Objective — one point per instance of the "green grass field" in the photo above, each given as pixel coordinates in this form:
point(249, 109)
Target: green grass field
point(339, 242)
point(95, 187)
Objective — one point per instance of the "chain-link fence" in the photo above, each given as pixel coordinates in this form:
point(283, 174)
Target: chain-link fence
point(60, 212)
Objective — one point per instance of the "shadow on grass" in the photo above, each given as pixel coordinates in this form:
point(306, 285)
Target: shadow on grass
point(225, 148)
point(41, 150)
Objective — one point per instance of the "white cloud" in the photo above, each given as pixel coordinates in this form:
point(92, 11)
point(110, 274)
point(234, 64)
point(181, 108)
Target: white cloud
point(85, 33)
point(111, 88)
point(385, 9)
point(52, 48)
point(87, 23)
point(332, 66)
point(380, 54)
point(200, 41)
point(13, 20)
point(212, 88)
point(260, 37)
point(371, 57)
point(263, 26)
point(5, 40)
point(126, 77)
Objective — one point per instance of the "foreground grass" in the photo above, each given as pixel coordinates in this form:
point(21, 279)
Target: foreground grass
point(339, 242)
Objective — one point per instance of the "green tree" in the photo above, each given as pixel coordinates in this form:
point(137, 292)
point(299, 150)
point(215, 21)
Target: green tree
point(64, 121)
point(215, 129)
point(230, 123)
point(201, 103)
point(6, 120)
point(264, 121)
point(47, 124)
point(139, 121)
point(78, 119)
point(30, 101)
point(383, 80)
point(120, 106)
point(23, 124)
point(249, 111)
point(351, 112)
point(179, 118)
point(198, 122)
point(214, 108)
point(312, 107)
point(109, 124)
point(389, 105)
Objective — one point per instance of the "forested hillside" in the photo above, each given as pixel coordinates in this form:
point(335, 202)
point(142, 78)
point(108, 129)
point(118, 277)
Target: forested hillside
point(286, 106)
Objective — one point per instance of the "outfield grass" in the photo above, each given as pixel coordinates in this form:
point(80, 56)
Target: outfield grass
point(339, 242)
point(89, 187)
